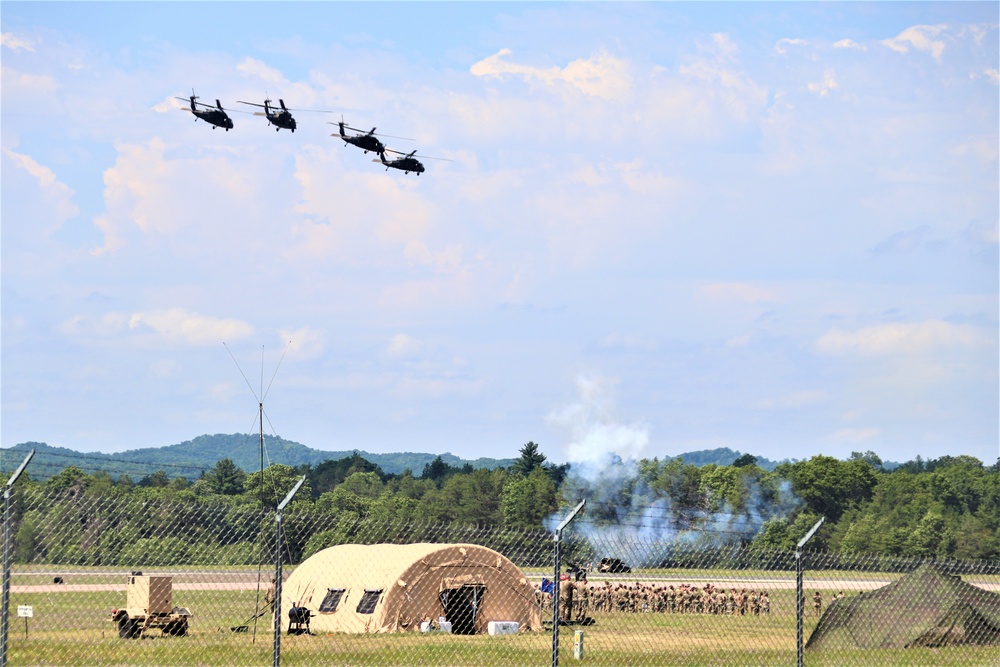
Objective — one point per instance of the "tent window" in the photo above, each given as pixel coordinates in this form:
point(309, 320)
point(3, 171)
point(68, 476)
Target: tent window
point(369, 600)
point(332, 599)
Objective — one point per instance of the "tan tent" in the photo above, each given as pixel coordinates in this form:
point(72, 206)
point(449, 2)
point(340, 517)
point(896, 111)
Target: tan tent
point(358, 588)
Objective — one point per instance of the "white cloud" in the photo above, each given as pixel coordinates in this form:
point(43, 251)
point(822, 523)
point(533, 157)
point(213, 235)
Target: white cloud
point(57, 194)
point(15, 43)
point(176, 325)
point(781, 47)
point(602, 75)
point(170, 326)
point(403, 345)
point(823, 88)
point(737, 92)
point(992, 74)
point(849, 44)
point(304, 342)
point(901, 339)
point(724, 45)
point(256, 68)
point(919, 37)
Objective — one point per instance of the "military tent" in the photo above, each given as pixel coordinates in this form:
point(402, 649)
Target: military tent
point(923, 608)
point(356, 588)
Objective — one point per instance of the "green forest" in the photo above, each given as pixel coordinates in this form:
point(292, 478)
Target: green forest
point(942, 508)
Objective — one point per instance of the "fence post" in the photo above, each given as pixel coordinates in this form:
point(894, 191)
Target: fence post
point(277, 571)
point(7, 557)
point(799, 597)
point(555, 583)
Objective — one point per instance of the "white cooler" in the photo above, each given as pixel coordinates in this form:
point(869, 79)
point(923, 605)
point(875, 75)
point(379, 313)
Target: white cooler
point(443, 626)
point(503, 627)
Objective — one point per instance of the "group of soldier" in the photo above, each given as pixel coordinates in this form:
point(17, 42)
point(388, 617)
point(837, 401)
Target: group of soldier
point(577, 599)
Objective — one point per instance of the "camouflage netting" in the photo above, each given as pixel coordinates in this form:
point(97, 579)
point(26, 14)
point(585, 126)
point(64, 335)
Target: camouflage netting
point(924, 608)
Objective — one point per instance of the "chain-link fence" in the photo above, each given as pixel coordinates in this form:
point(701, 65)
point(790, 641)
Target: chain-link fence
point(110, 578)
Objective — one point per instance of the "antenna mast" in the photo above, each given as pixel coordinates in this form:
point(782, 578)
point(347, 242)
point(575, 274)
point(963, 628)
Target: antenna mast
point(260, 418)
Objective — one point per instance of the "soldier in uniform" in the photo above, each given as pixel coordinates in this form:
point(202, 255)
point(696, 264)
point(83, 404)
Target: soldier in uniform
point(269, 595)
point(566, 589)
point(583, 596)
point(817, 603)
point(765, 603)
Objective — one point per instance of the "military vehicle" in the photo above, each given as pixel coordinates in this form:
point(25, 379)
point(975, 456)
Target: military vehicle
point(613, 565)
point(149, 605)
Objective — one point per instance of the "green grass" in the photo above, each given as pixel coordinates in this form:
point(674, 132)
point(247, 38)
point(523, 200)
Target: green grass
point(71, 628)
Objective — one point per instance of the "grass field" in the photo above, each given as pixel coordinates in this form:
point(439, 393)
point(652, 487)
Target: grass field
point(72, 628)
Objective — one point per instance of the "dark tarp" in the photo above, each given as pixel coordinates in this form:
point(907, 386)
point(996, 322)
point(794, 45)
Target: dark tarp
point(924, 608)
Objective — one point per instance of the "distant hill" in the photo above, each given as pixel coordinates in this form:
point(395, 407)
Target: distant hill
point(723, 456)
point(191, 458)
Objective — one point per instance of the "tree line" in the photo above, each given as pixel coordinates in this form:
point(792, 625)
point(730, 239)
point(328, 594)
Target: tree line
point(941, 508)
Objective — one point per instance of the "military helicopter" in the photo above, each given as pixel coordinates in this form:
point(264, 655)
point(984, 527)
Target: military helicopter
point(280, 119)
point(368, 141)
point(407, 163)
point(215, 116)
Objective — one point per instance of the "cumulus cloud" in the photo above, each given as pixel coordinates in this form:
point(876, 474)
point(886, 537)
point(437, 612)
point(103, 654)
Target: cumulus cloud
point(403, 345)
point(602, 75)
point(781, 48)
point(15, 43)
point(849, 44)
point(901, 339)
point(57, 194)
point(823, 88)
point(304, 342)
point(176, 325)
point(919, 37)
point(173, 326)
point(717, 70)
point(256, 68)
point(30, 84)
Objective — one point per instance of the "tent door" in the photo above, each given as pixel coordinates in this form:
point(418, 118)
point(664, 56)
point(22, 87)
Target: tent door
point(461, 606)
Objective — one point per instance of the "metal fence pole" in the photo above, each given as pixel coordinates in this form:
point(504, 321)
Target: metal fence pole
point(277, 571)
point(555, 581)
point(5, 610)
point(799, 596)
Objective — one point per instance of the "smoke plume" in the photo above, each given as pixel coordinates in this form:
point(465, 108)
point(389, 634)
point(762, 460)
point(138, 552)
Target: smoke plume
point(642, 507)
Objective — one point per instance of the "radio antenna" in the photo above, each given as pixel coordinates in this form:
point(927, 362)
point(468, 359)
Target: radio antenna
point(260, 419)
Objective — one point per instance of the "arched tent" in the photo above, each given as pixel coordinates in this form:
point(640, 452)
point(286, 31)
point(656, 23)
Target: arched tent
point(926, 607)
point(356, 588)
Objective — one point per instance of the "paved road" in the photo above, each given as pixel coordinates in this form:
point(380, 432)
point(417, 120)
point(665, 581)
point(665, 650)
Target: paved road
point(229, 581)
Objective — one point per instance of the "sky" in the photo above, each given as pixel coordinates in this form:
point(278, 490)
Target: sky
point(656, 227)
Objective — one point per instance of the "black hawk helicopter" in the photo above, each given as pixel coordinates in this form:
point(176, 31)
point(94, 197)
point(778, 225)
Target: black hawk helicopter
point(407, 163)
point(367, 141)
point(279, 118)
point(215, 116)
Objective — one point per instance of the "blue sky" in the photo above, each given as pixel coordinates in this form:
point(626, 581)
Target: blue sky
point(664, 227)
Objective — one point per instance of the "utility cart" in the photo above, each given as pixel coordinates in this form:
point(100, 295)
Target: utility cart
point(149, 605)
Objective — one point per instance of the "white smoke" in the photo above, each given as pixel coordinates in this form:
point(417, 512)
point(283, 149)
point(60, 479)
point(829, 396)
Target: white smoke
point(593, 431)
point(626, 513)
